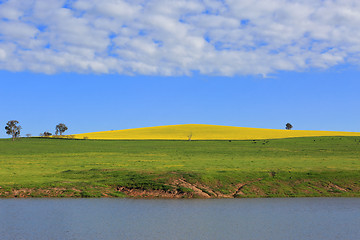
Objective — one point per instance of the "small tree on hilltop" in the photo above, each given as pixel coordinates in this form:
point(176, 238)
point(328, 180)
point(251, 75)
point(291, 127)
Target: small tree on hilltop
point(60, 128)
point(190, 136)
point(288, 126)
point(12, 128)
point(46, 134)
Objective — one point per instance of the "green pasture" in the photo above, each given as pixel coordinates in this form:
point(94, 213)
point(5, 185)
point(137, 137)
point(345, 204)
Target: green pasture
point(39, 162)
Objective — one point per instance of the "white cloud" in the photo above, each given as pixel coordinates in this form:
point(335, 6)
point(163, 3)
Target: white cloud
point(2, 54)
point(161, 37)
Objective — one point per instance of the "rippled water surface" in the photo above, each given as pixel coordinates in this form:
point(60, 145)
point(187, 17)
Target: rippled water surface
point(296, 218)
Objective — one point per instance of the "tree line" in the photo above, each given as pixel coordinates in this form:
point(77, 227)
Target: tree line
point(13, 128)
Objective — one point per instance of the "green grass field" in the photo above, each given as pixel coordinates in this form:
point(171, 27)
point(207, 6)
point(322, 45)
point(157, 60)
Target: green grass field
point(313, 166)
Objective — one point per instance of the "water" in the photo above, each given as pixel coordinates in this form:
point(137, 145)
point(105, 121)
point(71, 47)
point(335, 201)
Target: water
point(297, 218)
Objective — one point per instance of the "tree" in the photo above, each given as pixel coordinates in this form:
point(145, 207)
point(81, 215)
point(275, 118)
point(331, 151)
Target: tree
point(12, 128)
point(190, 136)
point(60, 128)
point(28, 135)
point(45, 134)
point(288, 126)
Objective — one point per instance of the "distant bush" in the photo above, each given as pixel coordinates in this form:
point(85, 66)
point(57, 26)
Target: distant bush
point(288, 126)
point(47, 134)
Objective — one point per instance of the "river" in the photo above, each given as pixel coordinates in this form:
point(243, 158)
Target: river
point(247, 219)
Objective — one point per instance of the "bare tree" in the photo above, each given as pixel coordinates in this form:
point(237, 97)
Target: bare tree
point(190, 136)
point(60, 128)
point(12, 128)
point(288, 126)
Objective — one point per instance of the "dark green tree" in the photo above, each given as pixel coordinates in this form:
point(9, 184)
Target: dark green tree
point(60, 128)
point(13, 128)
point(288, 126)
point(45, 134)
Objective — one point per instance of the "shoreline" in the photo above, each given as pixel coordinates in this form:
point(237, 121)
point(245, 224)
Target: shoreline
point(181, 188)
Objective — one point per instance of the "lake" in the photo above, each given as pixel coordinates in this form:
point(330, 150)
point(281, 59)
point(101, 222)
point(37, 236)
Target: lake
point(290, 218)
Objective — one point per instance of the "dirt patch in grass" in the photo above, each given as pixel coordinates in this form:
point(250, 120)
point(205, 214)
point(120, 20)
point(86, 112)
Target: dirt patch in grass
point(178, 188)
point(55, 192)
point(38, 192)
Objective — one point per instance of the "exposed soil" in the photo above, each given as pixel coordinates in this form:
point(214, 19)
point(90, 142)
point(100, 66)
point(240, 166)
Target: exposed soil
point(195, 190)
point(38, 192)
point(181, 188)
point(140, 193)
point(192, 191)
point(337, 187)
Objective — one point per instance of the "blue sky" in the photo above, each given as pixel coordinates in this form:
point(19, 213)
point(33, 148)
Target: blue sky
point(126, 64)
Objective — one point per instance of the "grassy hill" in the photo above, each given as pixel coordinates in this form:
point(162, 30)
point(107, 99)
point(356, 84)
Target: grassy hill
point(309, 166)
point(206, 132)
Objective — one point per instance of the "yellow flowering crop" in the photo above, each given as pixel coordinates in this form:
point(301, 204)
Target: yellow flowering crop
point(205, 132)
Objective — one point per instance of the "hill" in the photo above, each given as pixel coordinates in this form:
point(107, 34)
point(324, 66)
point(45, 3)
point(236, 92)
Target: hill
point(206, 132)
point(291, 167)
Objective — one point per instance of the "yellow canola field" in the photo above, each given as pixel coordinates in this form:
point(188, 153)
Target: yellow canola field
point(205, 132)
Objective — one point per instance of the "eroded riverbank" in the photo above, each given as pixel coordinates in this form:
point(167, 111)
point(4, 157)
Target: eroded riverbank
point(190, 185)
